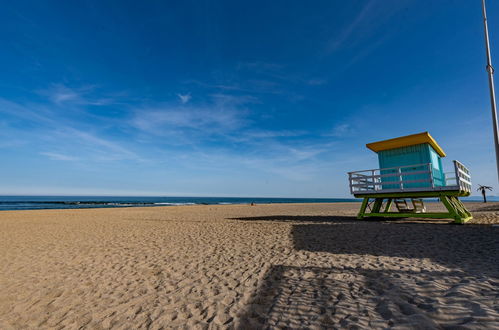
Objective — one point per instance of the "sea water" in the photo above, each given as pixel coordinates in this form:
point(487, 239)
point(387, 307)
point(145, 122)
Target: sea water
point(80, 202)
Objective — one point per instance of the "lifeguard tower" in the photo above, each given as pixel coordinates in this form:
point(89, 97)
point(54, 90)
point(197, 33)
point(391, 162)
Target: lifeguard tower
point(411, 169)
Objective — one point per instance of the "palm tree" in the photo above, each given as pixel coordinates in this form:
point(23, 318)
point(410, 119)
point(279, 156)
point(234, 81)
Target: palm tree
point(483, 189)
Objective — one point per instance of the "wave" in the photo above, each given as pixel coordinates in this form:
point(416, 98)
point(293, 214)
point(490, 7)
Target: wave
point(75, 202)
point(174, 204)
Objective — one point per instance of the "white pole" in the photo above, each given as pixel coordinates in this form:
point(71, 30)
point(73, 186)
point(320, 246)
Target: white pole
point(490, 71)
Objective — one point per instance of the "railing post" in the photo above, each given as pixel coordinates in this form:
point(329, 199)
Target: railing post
point(431, 175)
point(373, 173)
point(400, 178)
point(458, 178)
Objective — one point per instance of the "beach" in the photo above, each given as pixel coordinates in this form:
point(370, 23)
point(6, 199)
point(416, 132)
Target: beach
point(246, 267)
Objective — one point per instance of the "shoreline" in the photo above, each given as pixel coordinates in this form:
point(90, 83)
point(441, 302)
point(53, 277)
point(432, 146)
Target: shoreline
point(110, 204)
point(483, 213)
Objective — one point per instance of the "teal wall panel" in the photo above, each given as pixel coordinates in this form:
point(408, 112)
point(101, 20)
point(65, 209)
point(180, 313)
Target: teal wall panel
point(438, 173)
point(411, 155)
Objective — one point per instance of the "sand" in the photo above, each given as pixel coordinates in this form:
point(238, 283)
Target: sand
point(246, 267)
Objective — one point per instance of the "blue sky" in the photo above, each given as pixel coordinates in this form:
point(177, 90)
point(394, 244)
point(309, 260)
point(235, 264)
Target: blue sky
point(230, 98)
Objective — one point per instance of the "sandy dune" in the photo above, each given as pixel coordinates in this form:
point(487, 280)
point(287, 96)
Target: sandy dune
point(245, 267)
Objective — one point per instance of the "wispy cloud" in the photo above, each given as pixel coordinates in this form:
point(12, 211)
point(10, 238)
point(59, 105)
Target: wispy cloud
point(184, 98)
point(316, 81)
point(108, 150)
point(260, 66)
point(61, 95)
point(251, 86)
point(341, 130)
point(263, 79)
point(266, 134)
point(347, 32)
point(274, 75)
point(7, 139)
point(58, 156)
point(154, 120)
point(224, 113)
point(285, 161)
point(219, 131)
point(365, 24)
point(63, 132)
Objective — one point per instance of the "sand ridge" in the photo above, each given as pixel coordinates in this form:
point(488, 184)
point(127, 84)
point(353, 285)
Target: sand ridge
point(238, 266)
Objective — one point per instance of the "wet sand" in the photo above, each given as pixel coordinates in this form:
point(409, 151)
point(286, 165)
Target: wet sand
point(246, 267)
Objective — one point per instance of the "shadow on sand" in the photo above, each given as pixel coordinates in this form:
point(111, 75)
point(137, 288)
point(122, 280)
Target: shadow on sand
point(341, 219)
point(358, 294)
point(487, 208)
point(467, 248)
point(301, 218)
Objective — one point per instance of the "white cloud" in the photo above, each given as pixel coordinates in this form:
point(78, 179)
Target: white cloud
point(223, 114)
point(184, 98)
point(60, 94)
point(63, 133)
point(64, 95)
point(105, 149)
point(197, 118)
point(295, 163)
point(341, 130)
point(58, 156)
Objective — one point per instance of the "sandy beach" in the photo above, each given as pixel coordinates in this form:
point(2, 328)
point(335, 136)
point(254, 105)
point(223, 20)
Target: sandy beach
point(246, 267)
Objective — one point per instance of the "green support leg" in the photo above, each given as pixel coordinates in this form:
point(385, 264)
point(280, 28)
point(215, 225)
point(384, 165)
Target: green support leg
point(389, 203)
point(465, 215)
point(363, 207)
point(378, 202)
point(465, 211)
point(456, 209)
point(450, 207)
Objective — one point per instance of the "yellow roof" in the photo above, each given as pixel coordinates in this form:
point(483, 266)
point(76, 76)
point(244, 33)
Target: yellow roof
point(406, 141)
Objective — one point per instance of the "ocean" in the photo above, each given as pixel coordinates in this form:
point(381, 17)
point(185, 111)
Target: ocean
point(84, 202)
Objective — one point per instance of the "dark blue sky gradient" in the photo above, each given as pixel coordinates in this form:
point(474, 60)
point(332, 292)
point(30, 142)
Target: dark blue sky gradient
point(229, 98)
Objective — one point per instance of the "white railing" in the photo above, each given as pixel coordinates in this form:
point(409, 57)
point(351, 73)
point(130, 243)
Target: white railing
point(463, 176)
point(406, 178)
